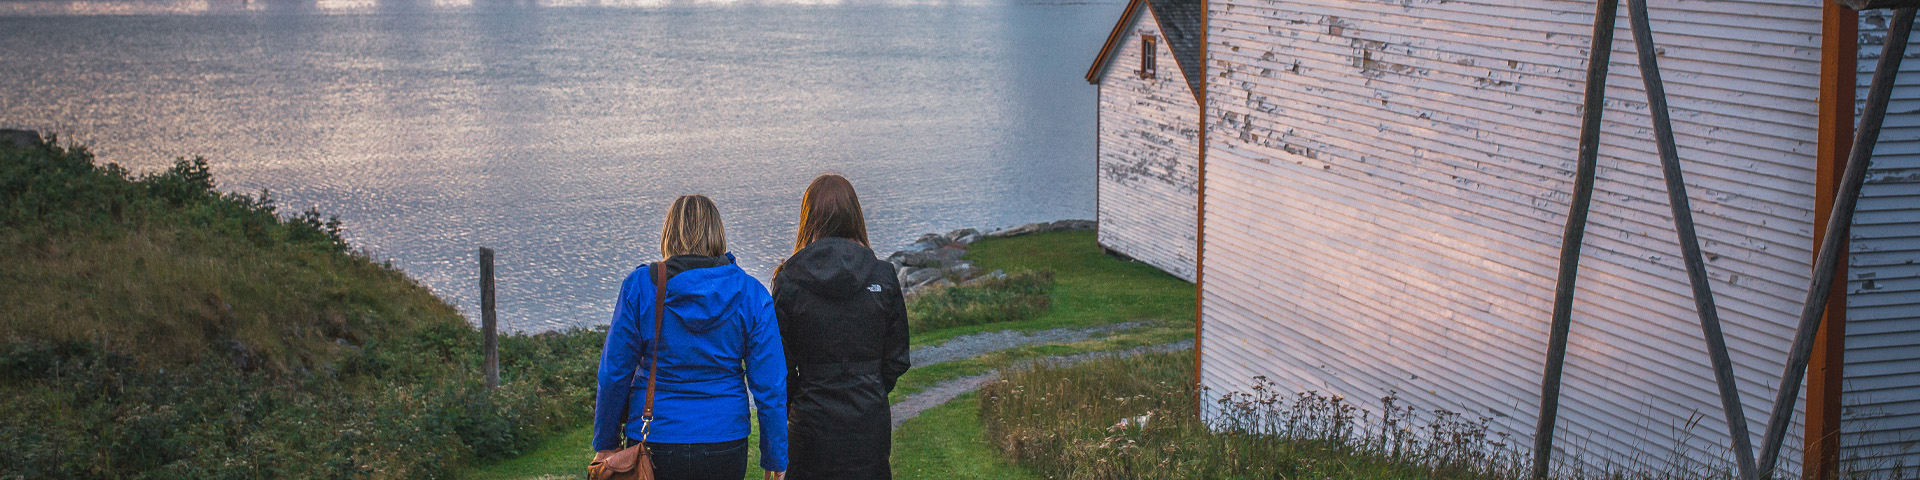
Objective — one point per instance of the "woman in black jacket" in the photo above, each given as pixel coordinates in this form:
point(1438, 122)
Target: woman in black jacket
point(844, 324)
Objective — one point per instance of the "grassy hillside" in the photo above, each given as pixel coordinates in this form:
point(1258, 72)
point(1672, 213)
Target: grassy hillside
point(155, 327)
point(169, 269)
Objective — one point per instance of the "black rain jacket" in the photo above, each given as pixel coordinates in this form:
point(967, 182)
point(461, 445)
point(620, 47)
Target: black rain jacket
point(843, 321)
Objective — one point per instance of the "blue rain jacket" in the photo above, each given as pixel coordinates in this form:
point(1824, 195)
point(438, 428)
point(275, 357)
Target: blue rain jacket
point(717, 318)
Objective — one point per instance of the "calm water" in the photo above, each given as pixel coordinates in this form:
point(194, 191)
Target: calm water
point(557, 133)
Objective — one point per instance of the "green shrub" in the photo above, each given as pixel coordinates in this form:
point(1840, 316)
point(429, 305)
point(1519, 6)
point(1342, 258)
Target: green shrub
point(75, 411)
point(1020, 296)
point(154, 327)
point(167, 268)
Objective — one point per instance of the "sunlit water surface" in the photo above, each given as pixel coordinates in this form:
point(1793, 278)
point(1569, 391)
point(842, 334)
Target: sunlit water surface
point(556, 132)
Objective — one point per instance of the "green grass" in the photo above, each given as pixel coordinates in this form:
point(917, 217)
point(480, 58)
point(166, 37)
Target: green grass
point(1018, 296)
point(946, 443)
point(566, 456)
point(1090, 287)
point(943, 443)
point(563, 456)
point(1065, 422)
point(168, 269)
point(156, 327)
point(919, 379)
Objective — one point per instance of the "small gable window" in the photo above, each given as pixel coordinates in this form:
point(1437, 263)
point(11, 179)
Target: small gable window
point(1147, 54)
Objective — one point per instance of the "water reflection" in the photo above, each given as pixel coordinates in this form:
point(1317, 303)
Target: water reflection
point(190, 7)
point(556, 135)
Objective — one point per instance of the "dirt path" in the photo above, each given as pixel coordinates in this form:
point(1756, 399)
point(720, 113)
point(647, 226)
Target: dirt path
point(969, 346)
point(943, 392)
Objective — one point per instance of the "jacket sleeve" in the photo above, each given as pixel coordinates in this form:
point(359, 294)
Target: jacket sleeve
point(783, 318)
point(894, 358)
point(767, 375)
point(617, 362)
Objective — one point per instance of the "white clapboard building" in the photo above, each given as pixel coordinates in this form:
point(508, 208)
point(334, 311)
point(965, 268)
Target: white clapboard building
point(1150, 77)
point(1386, 184)
point(1880, 400)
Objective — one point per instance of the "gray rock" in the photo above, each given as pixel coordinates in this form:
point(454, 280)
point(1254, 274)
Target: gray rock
point(968, 240)
point(938, 257)
point(21, 138)
point(244, 356)
point(1043, 227)
point(956, 235)
point(1072, 225)
point(905, 272)
point(919, 276)
point(1020, 230)
point(934, 239)
point(990, 275)
point(961, 270)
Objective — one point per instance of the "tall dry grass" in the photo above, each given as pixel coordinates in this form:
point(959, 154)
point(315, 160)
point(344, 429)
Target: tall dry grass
point(1135, 417)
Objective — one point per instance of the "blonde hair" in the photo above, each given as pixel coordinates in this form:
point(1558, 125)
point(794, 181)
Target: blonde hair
point(693, 228)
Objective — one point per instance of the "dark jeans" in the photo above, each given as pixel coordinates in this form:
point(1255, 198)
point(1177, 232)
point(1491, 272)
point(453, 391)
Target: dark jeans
point(699, 461)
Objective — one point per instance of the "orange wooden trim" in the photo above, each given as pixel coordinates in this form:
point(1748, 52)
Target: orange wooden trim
point(1200, 223)
point(1099, 68)
point(1839, 66)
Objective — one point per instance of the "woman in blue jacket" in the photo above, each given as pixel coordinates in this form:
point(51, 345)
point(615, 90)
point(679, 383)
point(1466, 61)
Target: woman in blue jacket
point(717, 319)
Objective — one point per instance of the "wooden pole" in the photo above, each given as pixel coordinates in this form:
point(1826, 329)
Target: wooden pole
point(490, 342)
point(1690, 243)
point(1839, 65)
point(1599, 55)
point(1834, 242)
point(1200, 231)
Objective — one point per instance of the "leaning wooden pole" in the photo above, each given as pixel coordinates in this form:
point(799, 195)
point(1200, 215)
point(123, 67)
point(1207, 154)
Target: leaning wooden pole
point(490, 341)
point(1599, 54)
point(1838, 224)
point(1689, 242)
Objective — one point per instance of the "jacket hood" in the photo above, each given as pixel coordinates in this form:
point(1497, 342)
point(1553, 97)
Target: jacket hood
point(705, 296)
point(831, 267)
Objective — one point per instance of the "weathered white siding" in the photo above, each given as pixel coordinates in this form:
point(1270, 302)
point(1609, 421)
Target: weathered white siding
point(1387, 185)
point(1149, 156)
point(1880, 400)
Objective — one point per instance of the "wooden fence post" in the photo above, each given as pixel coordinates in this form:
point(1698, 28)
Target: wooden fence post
point(491, 341)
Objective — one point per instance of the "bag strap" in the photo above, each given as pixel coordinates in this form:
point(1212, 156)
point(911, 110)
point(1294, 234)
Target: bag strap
point(653, 359)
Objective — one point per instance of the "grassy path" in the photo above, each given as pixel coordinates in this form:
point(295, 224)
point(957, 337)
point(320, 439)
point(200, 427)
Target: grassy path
point(945, 442)
point(565, 456)
point(907, 408)
point(1090, 288)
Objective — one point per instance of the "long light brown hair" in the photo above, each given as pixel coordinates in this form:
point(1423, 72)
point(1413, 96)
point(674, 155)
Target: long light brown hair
point(830, 209)
point(693, 228)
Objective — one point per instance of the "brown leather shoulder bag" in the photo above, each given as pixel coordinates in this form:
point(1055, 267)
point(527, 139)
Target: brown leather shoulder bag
point(635, 462)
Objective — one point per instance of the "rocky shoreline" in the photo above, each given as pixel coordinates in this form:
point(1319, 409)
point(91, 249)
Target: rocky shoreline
point(934, 259)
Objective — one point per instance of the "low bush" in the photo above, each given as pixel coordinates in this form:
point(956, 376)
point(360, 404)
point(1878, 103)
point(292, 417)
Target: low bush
point(1134, 417)
point(397, 408)
point(1020, 296)
point(155, 327)
point(165, 267)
